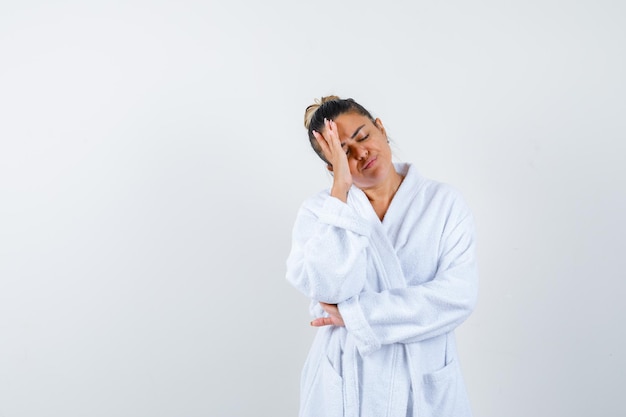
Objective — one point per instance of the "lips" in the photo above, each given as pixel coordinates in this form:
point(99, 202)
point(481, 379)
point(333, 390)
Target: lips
point(369, 163)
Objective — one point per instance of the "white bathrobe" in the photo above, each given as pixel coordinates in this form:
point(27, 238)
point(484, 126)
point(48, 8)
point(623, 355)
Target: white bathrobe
point(402, 286)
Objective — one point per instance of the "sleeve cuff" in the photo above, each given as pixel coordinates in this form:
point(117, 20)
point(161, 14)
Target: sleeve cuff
point(358, 327)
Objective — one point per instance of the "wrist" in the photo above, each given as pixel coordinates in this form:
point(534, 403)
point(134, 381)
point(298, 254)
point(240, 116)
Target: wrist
point(340, 192)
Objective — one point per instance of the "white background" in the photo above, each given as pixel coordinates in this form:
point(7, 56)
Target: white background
point(153, 158)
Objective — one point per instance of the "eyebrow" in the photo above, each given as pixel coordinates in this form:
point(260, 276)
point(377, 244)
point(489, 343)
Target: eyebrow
point(356, 132)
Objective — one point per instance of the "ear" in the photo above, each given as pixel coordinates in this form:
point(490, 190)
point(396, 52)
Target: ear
point(379, 125)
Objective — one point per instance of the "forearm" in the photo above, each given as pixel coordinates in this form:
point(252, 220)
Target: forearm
point(415, 313)
point(412, 314)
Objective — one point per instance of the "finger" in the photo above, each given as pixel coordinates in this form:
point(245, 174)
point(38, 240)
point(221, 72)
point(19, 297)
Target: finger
point(320, 138)
point(332, 126)
point(324, 139)
point(322, 321)
point(328, 124)
point(333, 135)
point(330, 308)
point(323, 144)
point(331, 129)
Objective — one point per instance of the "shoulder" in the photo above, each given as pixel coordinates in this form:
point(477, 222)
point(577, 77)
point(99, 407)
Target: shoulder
point(444, 192)
point(428, 187)
point(437, 195)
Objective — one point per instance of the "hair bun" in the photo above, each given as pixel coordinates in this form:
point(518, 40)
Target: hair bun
point(310, 111)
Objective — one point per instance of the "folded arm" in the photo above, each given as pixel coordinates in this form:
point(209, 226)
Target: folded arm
point(415, 313)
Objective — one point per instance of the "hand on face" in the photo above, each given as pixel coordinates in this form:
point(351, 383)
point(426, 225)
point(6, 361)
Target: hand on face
point(330, 144)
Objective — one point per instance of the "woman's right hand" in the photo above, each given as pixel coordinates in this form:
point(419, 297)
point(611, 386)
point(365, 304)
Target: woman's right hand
point(330, 144)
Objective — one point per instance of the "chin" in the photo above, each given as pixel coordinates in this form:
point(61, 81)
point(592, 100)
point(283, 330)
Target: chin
point(369, 182)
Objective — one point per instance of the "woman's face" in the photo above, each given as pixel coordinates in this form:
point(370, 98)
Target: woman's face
point(367, 149)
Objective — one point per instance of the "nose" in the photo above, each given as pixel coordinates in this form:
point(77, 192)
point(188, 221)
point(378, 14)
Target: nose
point(360, 152)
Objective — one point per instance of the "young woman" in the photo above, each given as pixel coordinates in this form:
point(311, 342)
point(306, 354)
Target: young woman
point(387, 258)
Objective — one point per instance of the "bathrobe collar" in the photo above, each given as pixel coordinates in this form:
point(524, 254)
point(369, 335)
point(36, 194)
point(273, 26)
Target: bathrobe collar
point(407, 190)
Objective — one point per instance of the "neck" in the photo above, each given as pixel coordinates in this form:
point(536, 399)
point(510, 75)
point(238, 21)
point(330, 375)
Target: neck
point(383, 193)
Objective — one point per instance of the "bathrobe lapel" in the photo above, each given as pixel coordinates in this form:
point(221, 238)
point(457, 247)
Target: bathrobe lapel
point(385, 257)
point(390, 272)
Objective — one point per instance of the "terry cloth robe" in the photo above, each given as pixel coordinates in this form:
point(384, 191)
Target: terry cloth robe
point(401, 285)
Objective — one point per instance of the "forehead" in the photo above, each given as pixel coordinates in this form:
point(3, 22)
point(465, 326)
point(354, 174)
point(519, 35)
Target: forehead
point(348, 123)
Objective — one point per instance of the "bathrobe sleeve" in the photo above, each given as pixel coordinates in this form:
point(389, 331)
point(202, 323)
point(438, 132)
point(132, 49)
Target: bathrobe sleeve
point(415, 313)
point(327, 261)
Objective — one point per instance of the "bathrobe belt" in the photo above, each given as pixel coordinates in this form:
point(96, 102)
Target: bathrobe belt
point(351, 382)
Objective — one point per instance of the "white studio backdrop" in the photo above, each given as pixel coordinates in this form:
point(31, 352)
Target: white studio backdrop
point(153, 158)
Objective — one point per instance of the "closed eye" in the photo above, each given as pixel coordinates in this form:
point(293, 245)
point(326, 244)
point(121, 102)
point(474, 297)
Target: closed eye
point(363, 138)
